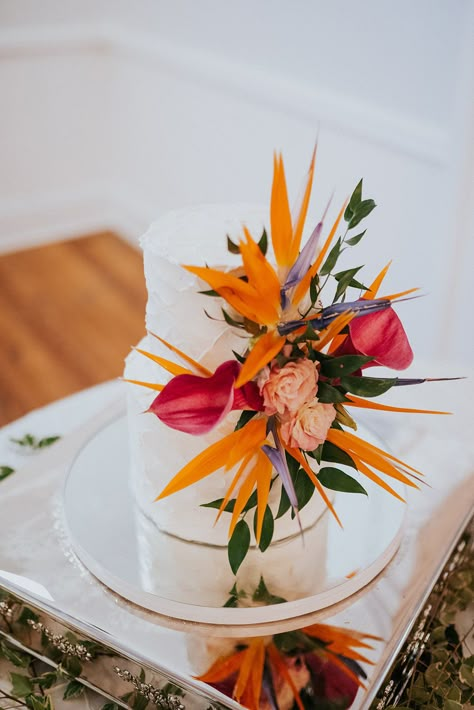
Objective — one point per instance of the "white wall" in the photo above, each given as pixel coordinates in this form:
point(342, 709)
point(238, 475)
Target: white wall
point(113, 111)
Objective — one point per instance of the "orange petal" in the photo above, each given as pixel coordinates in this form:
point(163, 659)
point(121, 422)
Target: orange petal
point(373, 477)
point(357, 441)
point(202, 465)
point(238, 293)
point(296, 453)
point(222, 668)
point(368, 404)
point(280, 217)
point(282, 670)
point(150, 385)
point(261, 274)
point(264, 478)
point(375, 285)
point(251, 655)
point(393, 296)
point(254, 434)
point(263, 351)
point(333, 329)
point(166, 364)
point(245, 491)
point(200, 368)
point(301, 218)
point(305, 282)
point(232, 486)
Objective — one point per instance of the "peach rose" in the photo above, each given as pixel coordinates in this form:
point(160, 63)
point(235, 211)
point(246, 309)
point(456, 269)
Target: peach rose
point(285, 389)
point(308, 428)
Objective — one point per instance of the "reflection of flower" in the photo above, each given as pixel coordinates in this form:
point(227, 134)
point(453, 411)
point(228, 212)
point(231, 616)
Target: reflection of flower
point(286, 389)
point(319, 662)
point(308, 428)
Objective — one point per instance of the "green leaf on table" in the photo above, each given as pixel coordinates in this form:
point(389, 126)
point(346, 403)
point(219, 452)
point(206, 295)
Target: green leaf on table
point(21, 685)
point(6, 471)
point(354, 201)
point(39, 702)
point(16, 657)
point(362, 211)
point(366, 386)
point(29, 441)
point(267, 528)
point(343, 365)
point(333, 454)
point(238, 545)
point(210, 292)
point(355, 240)
point(331, 258)
point(337, 480)
point(74, 689)
point(47, 441)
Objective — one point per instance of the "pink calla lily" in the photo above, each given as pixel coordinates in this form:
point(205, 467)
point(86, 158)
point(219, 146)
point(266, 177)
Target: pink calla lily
point(381, 336)
point(195, 404)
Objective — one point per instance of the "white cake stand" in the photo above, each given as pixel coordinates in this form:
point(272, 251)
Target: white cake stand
point(191, 582)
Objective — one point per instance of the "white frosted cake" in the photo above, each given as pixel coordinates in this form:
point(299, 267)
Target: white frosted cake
point(176, 312)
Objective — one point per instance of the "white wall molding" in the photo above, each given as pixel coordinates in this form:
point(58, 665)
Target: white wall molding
point(396, 130)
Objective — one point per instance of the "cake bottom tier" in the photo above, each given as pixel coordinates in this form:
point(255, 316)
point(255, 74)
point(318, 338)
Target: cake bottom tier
point(157, 453)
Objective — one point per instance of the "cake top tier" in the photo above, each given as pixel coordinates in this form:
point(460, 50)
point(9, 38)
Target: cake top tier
point(197, 234)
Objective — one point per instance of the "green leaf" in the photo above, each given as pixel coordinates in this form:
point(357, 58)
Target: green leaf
point(72, 666)
point(6, 471)
point(261, 594)
point(238, 545)
point(231, 603)
point(217, 504)
point(304, 489)
point(329, 394)
point(313, 289)
point(343, 365)
point(244, 418)
point(238, 357)
point(140, 702)
point(232, 246)
point(21, 685)
point(74, 689)
point(26, 616)
point(46, 680)
point(333, 454)
point(337, 480)
point(18, 658)
point(210, 292)
point(344, 279)
point(362, 210)
point(39, 702)
point(367, 386)
point(355, 200)
point(355, 240)
point(263, 242)
point(284, 505)
point(466, 675)
point(267, 528)
point(452, 705)
point(331, 258)
point(230, 321)
point(47, 441)
point(343, 417)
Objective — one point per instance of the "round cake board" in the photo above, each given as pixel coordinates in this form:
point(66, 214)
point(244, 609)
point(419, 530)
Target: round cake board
point(191, 582)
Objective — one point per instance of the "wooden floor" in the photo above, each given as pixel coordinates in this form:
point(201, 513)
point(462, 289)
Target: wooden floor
point(69, 313)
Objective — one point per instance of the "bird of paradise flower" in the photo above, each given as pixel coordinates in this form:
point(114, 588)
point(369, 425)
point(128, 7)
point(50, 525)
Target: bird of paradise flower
point(262, 671)
point(267, 302)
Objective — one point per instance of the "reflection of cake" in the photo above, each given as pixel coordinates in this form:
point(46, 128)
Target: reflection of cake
point(176, 311)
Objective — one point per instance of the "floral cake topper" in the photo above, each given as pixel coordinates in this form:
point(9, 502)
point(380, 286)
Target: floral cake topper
point(300, 376)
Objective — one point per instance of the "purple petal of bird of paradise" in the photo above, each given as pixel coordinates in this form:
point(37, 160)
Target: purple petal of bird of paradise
point(401, 381)
point(195, 404)
point(360, 307)
point(279, 462)
point(306, 255)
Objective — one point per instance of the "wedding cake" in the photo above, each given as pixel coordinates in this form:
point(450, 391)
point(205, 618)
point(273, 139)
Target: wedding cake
point(241, 395)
